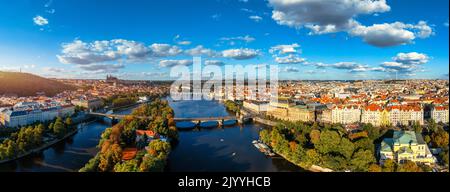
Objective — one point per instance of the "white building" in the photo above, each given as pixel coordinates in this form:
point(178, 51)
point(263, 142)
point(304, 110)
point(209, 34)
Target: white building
point(345, 114)
point(440, 114)
point(23, 114)
point(256, 106)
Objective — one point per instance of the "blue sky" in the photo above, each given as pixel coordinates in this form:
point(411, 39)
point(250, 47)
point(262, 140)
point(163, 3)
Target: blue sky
point(136, 39)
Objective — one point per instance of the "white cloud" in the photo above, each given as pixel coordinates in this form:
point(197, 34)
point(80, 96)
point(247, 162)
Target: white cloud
point(79, 52)
point(201, 51)
point(132, 49)
point(102, 68)
point(154, 74)
point(423, 30)
point(246, 39)
point(290, 59)
point(391, 34)
point(51, 11)
point(323, 14)
point(351, 67)
point(285, 49)
point(54, 69)
point(184, 43)
point(406, 63)
point(164, 50)
point(214, 62)
point(330, 16)
point(240, 54)
point(82, 53)
point(247, 10)
point(171, 63)
point(291, 69)
point(39, 20)
point(412, 58)
point(256, 18)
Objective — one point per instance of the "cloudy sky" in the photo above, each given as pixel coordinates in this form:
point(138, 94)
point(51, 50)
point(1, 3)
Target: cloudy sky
point(308, 39)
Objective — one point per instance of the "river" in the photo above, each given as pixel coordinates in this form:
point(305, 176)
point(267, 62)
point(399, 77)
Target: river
point(219, 149)
point(216, 149)
point(67, 156)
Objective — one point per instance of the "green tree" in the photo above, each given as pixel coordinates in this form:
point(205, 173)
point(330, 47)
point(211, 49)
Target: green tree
point(389, 166)
point(110, 157)
point(374, 168)
point(127, 166)
point(161, 148)
point(444, 156)
point(315, 136)
point(417, 128)
point(373, 132)
point(427, 139)
point(68, 122)
point(298, 154)
point(440, 138)
point(152, 164)
point(59, 128)
point(432, 126)
point(50, 127)
point(409, 166)
point(346, 148)
point(328, 142)
point(365, 144)
point(92, 165)
point(312, 157)
point(265, 136)
point(362, 159)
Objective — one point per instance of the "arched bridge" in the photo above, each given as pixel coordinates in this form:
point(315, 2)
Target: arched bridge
point(195, 119)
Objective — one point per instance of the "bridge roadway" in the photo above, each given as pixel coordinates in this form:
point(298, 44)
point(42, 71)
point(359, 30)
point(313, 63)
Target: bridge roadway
point(115, 116)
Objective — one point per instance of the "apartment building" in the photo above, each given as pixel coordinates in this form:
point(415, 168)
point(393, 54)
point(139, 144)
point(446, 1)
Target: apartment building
point(440, 113)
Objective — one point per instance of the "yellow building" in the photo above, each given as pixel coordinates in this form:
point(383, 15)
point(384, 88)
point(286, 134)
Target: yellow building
point(384, 118)
point(284, 109)
point(406, 146)
point(300, 113)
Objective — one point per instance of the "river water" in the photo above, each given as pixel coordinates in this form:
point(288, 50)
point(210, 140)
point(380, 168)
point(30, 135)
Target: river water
point(215, 149)
point(219, 149)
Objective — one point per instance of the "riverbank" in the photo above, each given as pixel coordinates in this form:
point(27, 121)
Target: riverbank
point(81, 119)
point(312, 168)
point(256, 118)
point(41, 148)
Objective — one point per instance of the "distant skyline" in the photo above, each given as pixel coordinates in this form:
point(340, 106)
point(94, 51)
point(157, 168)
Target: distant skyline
point(308, 39)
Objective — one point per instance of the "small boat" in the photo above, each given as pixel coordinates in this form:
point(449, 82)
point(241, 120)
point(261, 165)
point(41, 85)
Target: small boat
point(221, 140)
point(233, 154)
point(254, 141)
point(257, 146)
point(272, 154)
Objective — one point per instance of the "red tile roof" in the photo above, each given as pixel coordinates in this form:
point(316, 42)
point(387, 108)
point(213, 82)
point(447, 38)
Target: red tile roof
point(147, 132)
point(129, 153)
point(373, 107)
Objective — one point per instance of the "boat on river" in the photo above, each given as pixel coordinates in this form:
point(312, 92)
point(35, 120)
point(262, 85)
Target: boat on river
point(263, 148)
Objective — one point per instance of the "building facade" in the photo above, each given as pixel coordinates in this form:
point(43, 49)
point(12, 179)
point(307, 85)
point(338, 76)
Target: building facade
point(440, 114)
point(256, 106)
point(406, 146)
point(345, 114)
point(28, 113)
point(89, 104)
point(372, 114)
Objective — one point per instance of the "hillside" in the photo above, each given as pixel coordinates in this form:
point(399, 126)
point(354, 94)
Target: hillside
point(25, 84)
